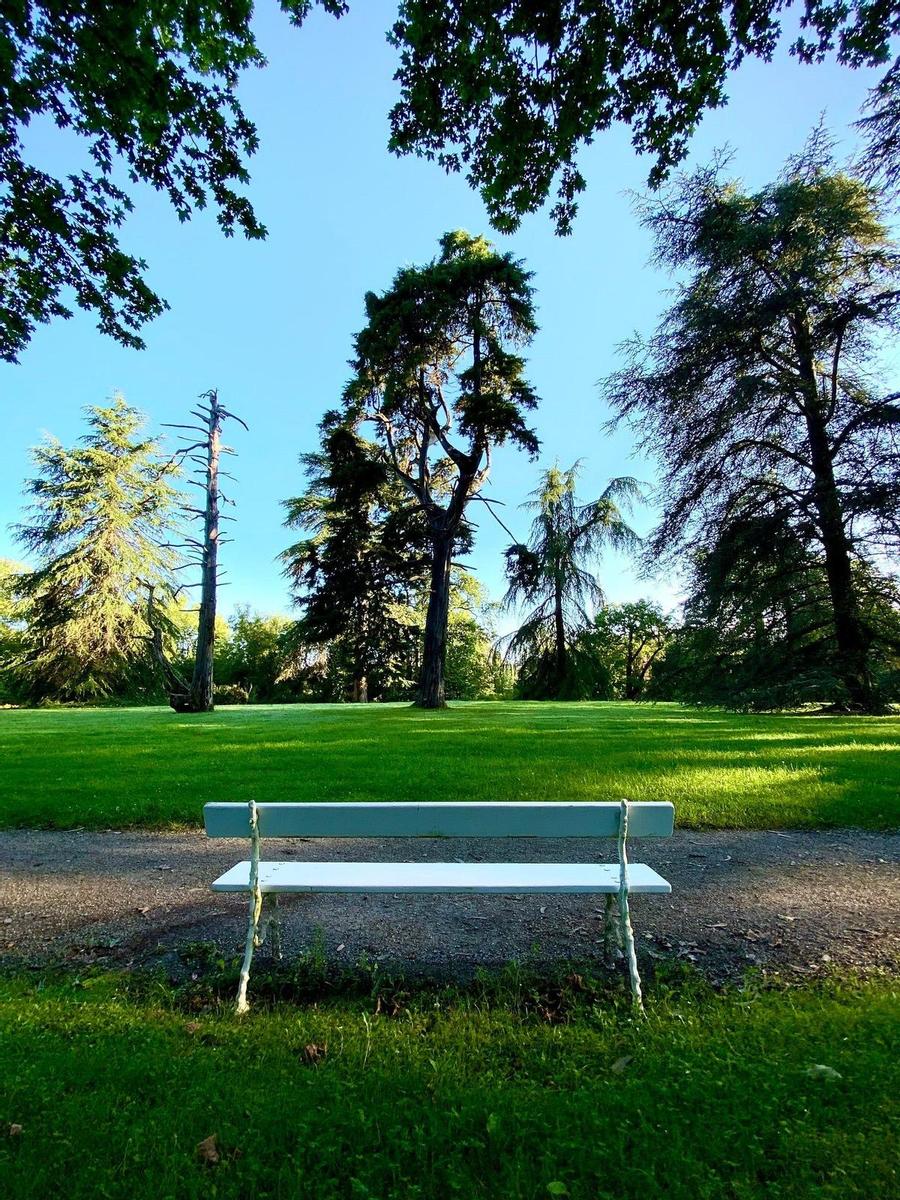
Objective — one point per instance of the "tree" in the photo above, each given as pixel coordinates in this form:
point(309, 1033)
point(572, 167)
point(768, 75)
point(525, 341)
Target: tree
point(880, 127)
point(474, 670)
point(758, 632)
point(197, 695)
point(436, 361)
point(759, 391)
point(631, 639)
point(259, 658)
point(511, 90)
point(551, 574)
point(99, 513)
point(365, 551)
point(150, 90)
point(13, 622)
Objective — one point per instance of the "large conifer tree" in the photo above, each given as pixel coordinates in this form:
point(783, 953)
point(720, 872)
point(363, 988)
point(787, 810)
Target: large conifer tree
point(437, 378)
point(99, 512)
point(760, 391)
point(363, 555)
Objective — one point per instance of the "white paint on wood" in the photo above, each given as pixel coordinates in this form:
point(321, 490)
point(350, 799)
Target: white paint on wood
point(486, 819)
point(507, 878)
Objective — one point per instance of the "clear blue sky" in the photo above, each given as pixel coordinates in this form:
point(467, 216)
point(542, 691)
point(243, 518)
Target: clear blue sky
point(270, 323)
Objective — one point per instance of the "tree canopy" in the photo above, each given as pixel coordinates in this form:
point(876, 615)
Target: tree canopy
point(760, 392)
point(437, 378)
point(150, 91)
point(99, 513)
point(510, 90)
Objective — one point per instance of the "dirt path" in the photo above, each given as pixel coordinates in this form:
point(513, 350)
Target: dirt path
point(793, 901)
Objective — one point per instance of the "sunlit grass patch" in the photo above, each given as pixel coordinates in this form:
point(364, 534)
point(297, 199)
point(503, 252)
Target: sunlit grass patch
point(151, 767)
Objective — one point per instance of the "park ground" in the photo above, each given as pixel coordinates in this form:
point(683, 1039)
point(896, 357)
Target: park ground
point(768, 1063)
point(152, 768)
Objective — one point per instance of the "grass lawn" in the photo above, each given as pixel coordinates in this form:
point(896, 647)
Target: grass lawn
point(739, 1094)
point(152, 767)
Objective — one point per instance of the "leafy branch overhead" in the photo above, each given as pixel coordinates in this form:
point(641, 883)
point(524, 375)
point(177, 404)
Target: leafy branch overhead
point(510, 91)
point(150, 92)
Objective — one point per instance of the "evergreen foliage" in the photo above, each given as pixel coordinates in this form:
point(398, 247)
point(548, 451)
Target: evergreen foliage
point(760, 393)
point(436, 362)
point(758, 632)
point(99, 513)
point(365, 553)
point(13, 620)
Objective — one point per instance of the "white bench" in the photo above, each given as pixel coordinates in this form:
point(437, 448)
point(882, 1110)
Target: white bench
point(581, 819)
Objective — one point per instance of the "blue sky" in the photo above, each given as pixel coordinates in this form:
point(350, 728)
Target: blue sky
point(270, 324)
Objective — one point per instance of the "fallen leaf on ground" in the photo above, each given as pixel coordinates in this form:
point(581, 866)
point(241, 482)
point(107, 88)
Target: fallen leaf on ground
point(208, 1150)
point(621, 1063)
point(313, 1053)
point(15, 1130)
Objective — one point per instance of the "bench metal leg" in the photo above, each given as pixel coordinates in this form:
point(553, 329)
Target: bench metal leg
point(625, 915)
point(242, 1005)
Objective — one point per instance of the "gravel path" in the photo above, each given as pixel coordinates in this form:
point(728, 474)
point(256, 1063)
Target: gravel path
point(794, 901)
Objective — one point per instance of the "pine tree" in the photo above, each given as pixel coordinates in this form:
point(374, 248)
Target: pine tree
point(98, 514)
point(763, 389)
point(365, 547)
point(437, 379)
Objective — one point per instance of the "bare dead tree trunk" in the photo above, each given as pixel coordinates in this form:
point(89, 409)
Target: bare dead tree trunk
point(202, 684)
point(198, 696)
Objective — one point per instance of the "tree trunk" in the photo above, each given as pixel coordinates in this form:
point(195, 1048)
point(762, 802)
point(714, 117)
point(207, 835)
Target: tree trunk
point(850, 633)
point(629, 666)
point(560, 636)
point(202, 684)
point(434, 658)
point(177, 689)
point(197, 696)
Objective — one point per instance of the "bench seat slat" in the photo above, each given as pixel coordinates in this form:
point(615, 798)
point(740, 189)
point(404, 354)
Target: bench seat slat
point(558, 819)
point(507, 878)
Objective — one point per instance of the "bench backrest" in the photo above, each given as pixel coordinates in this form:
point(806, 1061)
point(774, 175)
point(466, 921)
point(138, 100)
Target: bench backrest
point(483, 819)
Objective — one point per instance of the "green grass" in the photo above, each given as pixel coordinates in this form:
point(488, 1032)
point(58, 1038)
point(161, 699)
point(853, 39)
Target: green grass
point(457, 1095)
point(151, 767)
